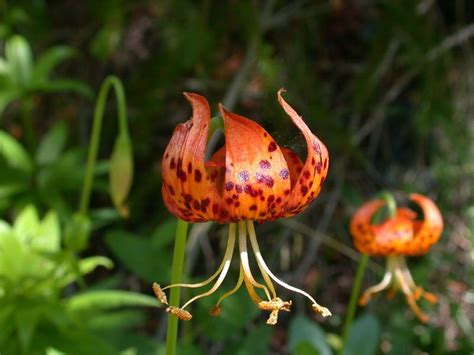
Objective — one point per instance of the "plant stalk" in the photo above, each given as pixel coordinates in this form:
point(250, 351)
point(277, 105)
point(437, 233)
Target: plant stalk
point(176, 275)
point(110, 81)
point(356, 286)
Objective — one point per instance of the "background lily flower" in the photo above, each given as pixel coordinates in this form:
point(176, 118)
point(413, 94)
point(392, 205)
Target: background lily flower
point(396, 237)
point(251, 178)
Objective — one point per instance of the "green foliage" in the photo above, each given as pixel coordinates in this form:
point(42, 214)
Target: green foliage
point(307, 338)
point(35, 271)
point(20, 76)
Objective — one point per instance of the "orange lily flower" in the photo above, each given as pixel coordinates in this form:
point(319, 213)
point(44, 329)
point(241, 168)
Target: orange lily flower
point(251, 178)
point(396, 237)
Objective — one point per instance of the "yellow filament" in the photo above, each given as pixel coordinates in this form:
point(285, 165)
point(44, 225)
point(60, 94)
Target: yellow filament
point(218, 271)
point(234, 290)
point(244, 259)
point(409, 295)
point(387, 279)
point(225, 268)
point(268, 281)
point(251, 291)
point(253, 240)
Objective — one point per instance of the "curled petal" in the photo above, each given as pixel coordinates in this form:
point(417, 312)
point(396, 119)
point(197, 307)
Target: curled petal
point(361, 228)
point(256, 173)
point(428, 231)
point(188, 190)
point(295, 165)
point(315, 169)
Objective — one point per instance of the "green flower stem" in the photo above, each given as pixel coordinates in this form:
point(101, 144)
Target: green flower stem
point(176, 274)
point(356, 286)
point(110, 81)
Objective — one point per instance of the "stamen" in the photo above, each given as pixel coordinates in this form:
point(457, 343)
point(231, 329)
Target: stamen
point(382, 285)
point(226, 264)
point(409, 295)
point(273, 318)
point(178, 312)
point(275, 304)
point(267, 279)
point(251, 291)
point(218, 271)
point(418, 291)
point(159, 293)
point(245, 260)
point(217, 309)
point(316, 307)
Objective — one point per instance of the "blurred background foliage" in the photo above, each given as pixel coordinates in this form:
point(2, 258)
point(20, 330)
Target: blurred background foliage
point(388, 86)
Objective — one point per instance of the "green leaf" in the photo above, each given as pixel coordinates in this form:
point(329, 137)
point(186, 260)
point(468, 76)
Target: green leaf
point(363, 336)
point(48, 237)
point(14, 154)
point(49, 60)
point(26, 224)
point(52, 144)
point(304, 331)
point(77, 232)
point(108, 299)
point(20, 60)
point(256, 342)
point(139, 255)
point(64, 85)
point(121, 173)
point(164, 233)
point(26, 320)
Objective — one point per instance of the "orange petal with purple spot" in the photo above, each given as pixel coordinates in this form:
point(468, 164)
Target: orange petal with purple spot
point(256, 175)
point(315, 169)
point(185, 179)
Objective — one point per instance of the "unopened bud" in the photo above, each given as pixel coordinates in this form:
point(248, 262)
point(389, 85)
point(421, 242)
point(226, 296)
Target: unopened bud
point(121, 173)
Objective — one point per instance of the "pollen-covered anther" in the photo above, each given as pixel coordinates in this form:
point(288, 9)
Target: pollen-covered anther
point(180, 313)
point(160, 294)
point(215, 311)
point(431, 298)
point(276, 304)
point(325, 312)
point(273, 317)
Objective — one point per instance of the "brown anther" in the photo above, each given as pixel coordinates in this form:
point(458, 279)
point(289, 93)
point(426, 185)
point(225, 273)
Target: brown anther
point(418, 293)
point(178, 312)
point(431, 298)
point(275, 304)
point(322, 310)
point(215, 311)
point(363, 300)
point(273, 318)
point(159, 293)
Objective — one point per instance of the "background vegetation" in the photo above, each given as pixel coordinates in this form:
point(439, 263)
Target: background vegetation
point(388, 86)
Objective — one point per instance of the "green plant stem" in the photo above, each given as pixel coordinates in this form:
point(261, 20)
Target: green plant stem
point(110, 81)
point(356, 286)
point(176, 275)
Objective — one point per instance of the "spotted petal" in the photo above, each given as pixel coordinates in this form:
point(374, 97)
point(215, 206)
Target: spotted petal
point(257, 180)
point(427, 231)
point(315, 169)
point(188, 189)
